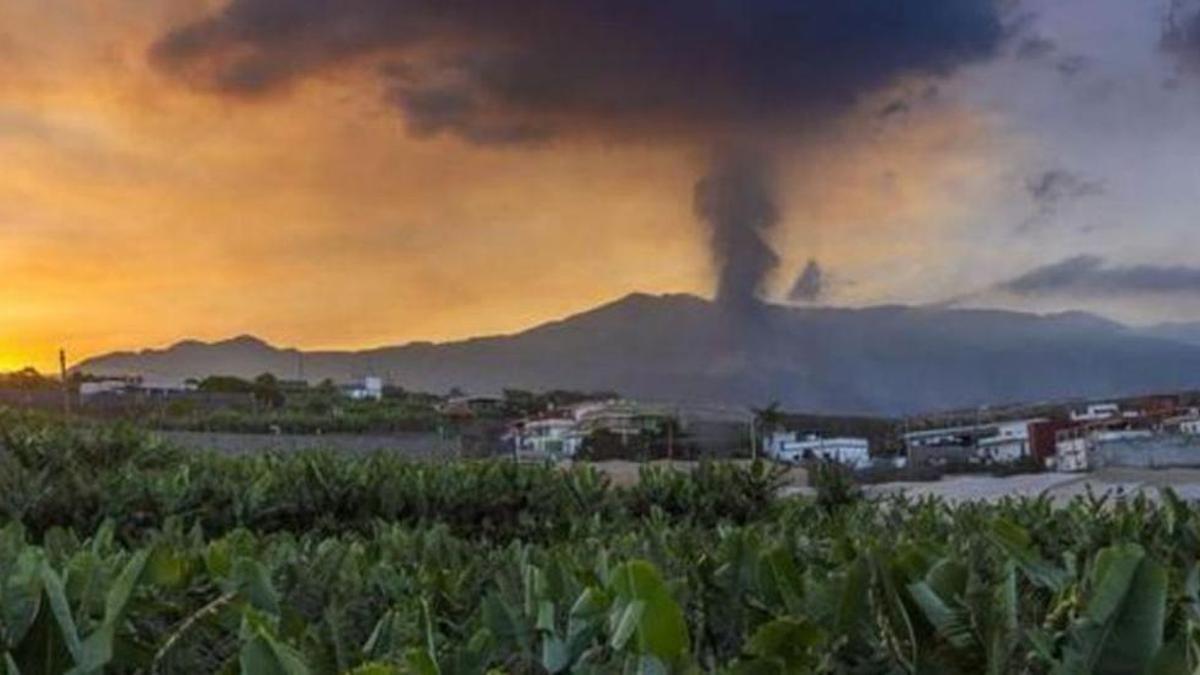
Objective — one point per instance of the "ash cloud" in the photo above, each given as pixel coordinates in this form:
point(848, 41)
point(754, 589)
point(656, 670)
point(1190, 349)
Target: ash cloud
point(708, 73)
point(1086, 276)
point(1181, 32)
point(810, 285)
point(737, 201)
point(621, 66)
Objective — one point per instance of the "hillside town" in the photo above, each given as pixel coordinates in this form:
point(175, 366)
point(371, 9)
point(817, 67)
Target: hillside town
point(1071, 437)
point(1153, 432)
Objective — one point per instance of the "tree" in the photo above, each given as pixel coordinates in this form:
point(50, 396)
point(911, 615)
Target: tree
point(226, 384)
point(27, 378)
point(769, 419)
point(267, 391)
point(766, 421)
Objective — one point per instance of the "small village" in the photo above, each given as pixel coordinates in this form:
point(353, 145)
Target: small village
point(1153, 432)
point(1149, 432)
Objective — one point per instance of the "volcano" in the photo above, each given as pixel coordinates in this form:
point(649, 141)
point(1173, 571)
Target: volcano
point(877, 360)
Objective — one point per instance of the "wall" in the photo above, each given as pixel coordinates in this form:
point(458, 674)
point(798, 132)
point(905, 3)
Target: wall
point(42, 399)
point(414, 445)
point(1159, 451)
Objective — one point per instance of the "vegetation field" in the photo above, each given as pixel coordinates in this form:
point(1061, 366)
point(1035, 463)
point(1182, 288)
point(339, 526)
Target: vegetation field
point(120, 555)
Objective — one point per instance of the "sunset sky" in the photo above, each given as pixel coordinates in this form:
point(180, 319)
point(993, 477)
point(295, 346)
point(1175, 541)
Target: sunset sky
point(308, 172)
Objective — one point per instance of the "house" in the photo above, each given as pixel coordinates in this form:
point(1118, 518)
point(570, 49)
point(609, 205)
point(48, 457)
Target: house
point(551, 437)
point(473, 406)
point(622, 418)
point(1187, 424)
point(1071, 450)
point(947, 444)
point(370, 389)
point(1075, 445)
point(788, 447)
point(90, 389)
point(1095, 412)
point(1010, 443)
point(1043, 439)
point(145, 386)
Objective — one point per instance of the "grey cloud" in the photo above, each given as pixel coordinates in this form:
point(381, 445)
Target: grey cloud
point(1091, 276)
point(1055, 186)
point(1072, 65)
point(1035, 47)
point(1053, 189)
point(1181, 32)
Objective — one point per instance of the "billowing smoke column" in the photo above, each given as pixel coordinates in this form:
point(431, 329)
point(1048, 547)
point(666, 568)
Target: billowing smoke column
point(736, 199)
point(519, 72)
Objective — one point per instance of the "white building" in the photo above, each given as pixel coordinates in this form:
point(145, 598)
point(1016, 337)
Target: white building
point(145, 385)
point(1096, 411)
point(1073, 447)
point(625, 419)
point(788, 447)
point(1071, 453)
point(371, 389)
point(1009, 444)
point(1190, 427)
point(89, 389)
point(555, 437)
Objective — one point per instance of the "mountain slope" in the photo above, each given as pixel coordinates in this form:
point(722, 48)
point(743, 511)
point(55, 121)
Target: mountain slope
point(1187, 332)
point(877, 360)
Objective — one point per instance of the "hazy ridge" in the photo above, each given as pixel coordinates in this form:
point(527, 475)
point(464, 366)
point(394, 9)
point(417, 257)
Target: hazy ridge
point(888, 359)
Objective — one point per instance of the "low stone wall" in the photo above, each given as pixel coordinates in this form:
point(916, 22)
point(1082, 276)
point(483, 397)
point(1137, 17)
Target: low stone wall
point(1150, 453)
point(426, 446)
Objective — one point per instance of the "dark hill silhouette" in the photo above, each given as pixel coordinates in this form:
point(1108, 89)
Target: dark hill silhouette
point(889, 359)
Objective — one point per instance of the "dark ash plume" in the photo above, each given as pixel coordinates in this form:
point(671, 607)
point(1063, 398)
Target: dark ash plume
point(1181, 32)
point(810, 285)
point(508, 71)
point(516, 72)
point(736, 200)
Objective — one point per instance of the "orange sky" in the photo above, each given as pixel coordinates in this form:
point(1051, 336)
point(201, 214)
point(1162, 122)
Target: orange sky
point(135, 212)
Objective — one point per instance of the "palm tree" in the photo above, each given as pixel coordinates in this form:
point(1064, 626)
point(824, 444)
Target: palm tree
point(769, 419)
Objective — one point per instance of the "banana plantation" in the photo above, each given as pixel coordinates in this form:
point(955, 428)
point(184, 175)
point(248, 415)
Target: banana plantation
point(120, 555)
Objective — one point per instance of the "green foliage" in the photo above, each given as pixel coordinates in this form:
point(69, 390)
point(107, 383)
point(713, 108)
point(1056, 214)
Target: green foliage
point(27, 379)
point(314, 411)
point(314, 564)
point(226, 384)
point(834, 483)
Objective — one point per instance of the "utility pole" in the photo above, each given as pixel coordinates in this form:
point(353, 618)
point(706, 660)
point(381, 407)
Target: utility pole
point(907, 443)
point(671, 437)
point(66, 386)
point(753, 436)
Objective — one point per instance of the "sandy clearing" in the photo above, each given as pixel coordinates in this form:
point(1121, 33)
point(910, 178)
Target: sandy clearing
point(625, 473)
point(1059, 486)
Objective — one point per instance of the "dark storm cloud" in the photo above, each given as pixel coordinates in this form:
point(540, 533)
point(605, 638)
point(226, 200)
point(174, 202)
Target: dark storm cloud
point(810, 285)
point(1181, 31)
point(1091, 276)
point(505, 70)
point(714, 73)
